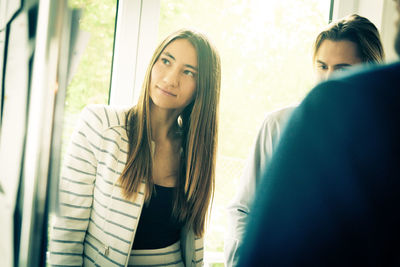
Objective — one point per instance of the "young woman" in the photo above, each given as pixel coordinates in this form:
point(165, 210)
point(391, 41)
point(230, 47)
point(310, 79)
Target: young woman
point(137, 183)
point(347, 42)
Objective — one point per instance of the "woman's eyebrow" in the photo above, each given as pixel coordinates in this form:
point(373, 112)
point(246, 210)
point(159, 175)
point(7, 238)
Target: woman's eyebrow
point(169, 55)
point(190, 66)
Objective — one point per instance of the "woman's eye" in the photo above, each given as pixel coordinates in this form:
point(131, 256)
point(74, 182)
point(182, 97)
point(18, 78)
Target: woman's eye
point(188, 72)
point(322, 67)
point(165, 61)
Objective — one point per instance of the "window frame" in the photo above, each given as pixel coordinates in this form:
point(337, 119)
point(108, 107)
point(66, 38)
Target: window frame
point(135, 40)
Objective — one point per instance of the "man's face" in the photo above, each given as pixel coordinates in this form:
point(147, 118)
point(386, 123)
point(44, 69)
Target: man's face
point(397, 41)
point(333, 56)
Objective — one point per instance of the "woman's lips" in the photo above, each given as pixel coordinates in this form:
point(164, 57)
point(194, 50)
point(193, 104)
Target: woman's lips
point(165, 92)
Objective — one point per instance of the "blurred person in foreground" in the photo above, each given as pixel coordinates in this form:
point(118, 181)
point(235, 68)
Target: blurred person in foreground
point(347, 42)
point(331, 192)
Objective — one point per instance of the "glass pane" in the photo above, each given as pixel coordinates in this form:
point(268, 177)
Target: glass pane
point(90, 82)
point(265, 49)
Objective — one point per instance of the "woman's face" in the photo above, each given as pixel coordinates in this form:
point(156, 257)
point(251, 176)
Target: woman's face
point(334, 55)
point(174, 75)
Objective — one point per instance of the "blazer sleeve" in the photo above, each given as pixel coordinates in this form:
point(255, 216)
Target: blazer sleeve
point(239, 209)
point(76, 185)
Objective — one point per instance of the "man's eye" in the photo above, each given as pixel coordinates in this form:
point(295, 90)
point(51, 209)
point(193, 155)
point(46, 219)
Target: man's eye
point(341, 68)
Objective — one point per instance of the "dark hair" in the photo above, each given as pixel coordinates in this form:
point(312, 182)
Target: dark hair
point(198, 127)
point(358, 30)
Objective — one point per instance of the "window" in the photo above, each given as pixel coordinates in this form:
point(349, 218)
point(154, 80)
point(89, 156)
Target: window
point(266, 55)
point(91, 80)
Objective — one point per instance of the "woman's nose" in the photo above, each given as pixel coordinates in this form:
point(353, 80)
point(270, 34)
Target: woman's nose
point(171, 77)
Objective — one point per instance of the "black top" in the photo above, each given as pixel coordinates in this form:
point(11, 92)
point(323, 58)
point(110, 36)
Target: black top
point(157, 228)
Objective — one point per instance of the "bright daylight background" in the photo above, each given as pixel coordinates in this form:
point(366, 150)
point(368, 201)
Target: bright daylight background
point(265, 48)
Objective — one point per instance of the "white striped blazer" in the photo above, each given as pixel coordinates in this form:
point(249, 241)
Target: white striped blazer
point(95, 225)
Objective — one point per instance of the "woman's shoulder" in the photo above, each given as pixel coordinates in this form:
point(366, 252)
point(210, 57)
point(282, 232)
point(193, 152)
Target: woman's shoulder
point(108, 116)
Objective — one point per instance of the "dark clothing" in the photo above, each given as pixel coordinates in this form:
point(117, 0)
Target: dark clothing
point(157, 227)
point(331, 194)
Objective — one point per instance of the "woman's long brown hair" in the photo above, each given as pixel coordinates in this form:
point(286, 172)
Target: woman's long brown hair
point(198, 129)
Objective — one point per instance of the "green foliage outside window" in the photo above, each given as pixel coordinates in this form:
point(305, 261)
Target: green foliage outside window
point(90, 83)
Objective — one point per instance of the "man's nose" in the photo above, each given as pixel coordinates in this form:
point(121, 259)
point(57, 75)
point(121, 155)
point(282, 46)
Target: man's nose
point(329, 73)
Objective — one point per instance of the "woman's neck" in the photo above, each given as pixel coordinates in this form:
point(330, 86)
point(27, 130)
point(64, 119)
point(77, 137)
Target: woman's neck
point(162, 122)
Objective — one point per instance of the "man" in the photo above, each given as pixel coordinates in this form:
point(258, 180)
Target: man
point(331, 193)
point(347, 42)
